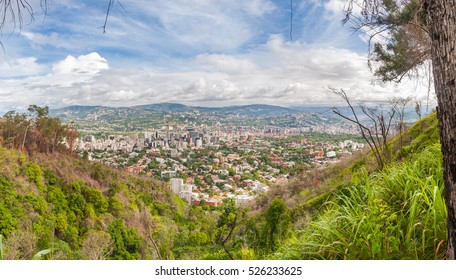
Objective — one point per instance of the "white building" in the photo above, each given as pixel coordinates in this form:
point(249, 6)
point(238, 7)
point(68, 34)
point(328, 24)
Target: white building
point(199, 143)
point(240, 199)
point(177, 185)
point(186, 193)
point(331, 154)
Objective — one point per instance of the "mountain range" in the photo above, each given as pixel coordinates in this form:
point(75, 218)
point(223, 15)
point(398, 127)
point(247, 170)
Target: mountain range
point(250, 110)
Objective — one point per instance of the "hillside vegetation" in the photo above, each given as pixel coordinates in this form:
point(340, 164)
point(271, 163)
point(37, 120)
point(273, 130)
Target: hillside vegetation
point(78, 210)
point(62, 207)
point(57, 206)
point(396, 213)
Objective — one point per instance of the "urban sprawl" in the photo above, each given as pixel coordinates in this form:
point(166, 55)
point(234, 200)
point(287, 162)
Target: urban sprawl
point(205, 164)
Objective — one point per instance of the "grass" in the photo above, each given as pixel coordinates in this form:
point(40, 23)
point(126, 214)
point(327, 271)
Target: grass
point(40, 254)
point(398, 213)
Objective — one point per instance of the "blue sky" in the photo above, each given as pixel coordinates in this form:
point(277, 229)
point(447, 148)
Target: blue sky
point(196, 52)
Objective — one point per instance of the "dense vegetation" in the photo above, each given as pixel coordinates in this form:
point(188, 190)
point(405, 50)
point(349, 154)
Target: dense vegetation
point(68, 208)
point(396, 213)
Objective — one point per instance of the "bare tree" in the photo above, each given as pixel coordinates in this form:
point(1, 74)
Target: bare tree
point(377, 132)
point(97, 245)
point(382, 119)
point(399, 104)
point(19, 13)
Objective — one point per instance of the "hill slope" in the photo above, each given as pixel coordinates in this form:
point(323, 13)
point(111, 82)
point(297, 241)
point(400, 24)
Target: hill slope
point(81, 210)
point(396, 213)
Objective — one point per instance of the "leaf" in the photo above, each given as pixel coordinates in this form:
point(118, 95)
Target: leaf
point(376, 248)
point(38, 255)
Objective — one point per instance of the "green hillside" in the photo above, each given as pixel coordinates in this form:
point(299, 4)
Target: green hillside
point(396, 213)
point(78, 209)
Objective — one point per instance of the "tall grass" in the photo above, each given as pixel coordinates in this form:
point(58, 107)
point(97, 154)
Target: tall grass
point(1, 247)
point(398, 213)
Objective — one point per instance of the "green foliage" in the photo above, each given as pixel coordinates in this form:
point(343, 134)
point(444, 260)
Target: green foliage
point(409, 46)
point(97, 172)
point(126, 242)
point(115, 206)
point(396, 214)
point(9, 212)
point(63, 210)
point(43, 229)
point(34, 173)
point(277, 222)
point(96, 198)
point(198, 238)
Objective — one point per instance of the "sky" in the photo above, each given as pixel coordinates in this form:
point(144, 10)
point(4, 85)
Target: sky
point(195, 52)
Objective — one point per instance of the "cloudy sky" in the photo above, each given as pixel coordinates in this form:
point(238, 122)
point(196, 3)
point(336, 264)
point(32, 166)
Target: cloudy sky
point(195, 52)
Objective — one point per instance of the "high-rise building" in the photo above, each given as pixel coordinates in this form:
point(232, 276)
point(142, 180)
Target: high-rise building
point(199, 143)
point(186, 193)
point(177, 185)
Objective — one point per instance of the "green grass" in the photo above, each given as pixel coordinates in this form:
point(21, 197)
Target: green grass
point(398, 213)
point(1, 247)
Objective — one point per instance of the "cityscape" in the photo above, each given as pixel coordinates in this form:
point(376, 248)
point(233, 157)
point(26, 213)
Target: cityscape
point(205, 162)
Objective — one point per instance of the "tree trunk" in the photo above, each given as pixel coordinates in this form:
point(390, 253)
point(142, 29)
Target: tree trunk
point(441, 16)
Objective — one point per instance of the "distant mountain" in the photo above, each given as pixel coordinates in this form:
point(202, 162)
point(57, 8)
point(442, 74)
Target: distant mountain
point(248, 110)
point(254, 109)
point(96, 118)
point(313, 109)
point(76, 110)
point(165, 107)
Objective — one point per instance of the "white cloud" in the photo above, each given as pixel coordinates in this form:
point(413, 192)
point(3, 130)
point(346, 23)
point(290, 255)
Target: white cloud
point(226, 64)
point(193, 25)
point(275, 72)
point(26, 66)
point(89, 64)
point(335, 6)
point(123, 95)
point(42, 39)
point(258, 7)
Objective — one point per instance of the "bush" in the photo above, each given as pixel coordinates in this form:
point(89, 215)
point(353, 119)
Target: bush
point(126, 241)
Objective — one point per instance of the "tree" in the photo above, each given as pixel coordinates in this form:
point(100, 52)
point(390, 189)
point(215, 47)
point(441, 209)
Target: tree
point(22, 12)
point(36, 131)
point(398, 104)
point(404, 43)
point(376, 132)
point(14, 129)
point(418, 109)
point(277, 222)
point(126, 242)
point(226, 224)
point(97, 245)
point(434, 26)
